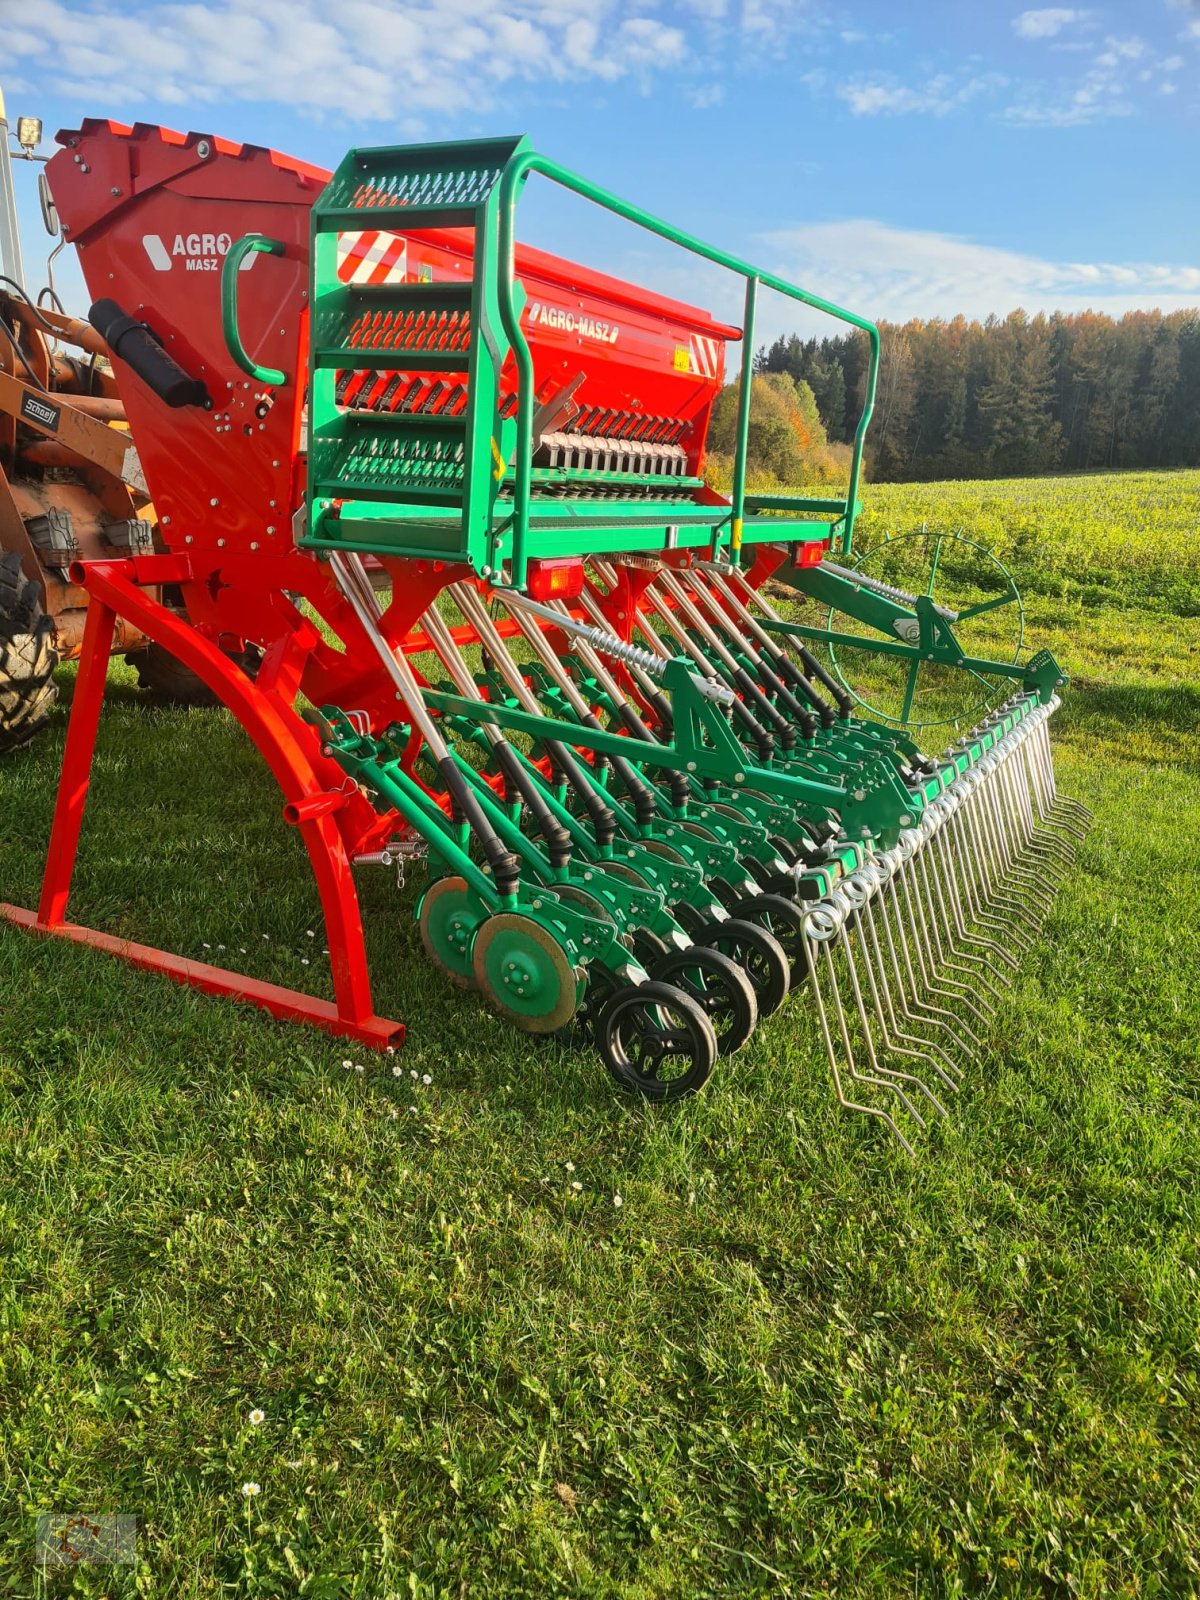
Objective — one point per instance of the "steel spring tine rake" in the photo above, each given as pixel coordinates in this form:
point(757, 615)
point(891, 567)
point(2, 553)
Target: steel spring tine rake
point(819, 932)
point(908, 994)
point(947, 879)
point(972, 878)
point(959, 892)
point(881, 989)
point(949, 1020)
point(1019, 871)
point(929, 953)
point(859, 889)
point(952, 931)
point(944, 966)
point(1001, 892)
point(889, 1077)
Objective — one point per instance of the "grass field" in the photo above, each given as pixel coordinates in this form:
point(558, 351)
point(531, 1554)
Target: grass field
point(791, 1362)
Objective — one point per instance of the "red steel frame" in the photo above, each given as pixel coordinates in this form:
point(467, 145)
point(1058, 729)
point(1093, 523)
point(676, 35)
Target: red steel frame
point(114, 590)
point(150, 212)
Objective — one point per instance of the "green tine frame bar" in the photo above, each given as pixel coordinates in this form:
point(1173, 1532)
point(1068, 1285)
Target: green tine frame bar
point(517, 170)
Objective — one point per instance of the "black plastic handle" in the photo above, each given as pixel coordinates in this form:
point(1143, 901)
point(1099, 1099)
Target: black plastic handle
point(138, 348)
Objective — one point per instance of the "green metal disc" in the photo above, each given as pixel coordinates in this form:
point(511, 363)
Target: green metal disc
point(524, 972)
point(447, 917)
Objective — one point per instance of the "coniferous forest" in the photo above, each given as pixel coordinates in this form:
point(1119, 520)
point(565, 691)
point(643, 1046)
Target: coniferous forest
point(1017, 395)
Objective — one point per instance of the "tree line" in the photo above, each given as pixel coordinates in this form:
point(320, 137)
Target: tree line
point(1010, 396)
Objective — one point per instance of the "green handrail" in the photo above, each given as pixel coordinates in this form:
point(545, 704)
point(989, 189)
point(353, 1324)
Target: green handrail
point(230, 268)
point(515, 174)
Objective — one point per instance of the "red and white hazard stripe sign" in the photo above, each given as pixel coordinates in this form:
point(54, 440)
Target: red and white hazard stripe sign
point(372, 257)
point(705, 355)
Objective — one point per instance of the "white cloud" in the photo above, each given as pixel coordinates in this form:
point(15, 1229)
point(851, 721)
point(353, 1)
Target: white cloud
point(706, 95)
point(937, 97)
point(372, 59)
point(1102, 91)
point(1046, 23)
point(899, 273)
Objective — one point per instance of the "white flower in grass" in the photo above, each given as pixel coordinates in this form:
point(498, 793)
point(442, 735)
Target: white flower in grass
point(426, 1079)
point(257, 1417)
point(397, 1072)
point(617, 1201)
point(358, 1066)
point(578, 1187)
point(394, 1112)
point(347, 1065)
point(570, 1165)
point(251, 1489)
point(303, 961)
point(310, 933)
point(414, 1075)
point(391, 1049)
point(413, 1109)
point(208, 947)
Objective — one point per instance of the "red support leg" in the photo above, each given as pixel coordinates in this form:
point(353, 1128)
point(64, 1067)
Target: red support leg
point(77, 763)
point(285, 743)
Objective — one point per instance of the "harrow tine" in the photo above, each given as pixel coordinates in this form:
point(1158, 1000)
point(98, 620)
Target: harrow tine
point(945, 879)
point(859, 889)
point(817, 939)
point(879, 1071)
point(946, 1020)
point(935, 893)
point(881, 991)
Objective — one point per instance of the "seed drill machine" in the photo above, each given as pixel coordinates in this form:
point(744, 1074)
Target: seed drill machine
point(449, 492)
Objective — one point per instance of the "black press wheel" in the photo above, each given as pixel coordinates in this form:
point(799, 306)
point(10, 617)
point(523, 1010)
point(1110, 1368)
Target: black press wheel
point(785, 920)
point(27, 656)
point(601, 985)
point(720, 987)
point(656, 1041)
point(760, 956)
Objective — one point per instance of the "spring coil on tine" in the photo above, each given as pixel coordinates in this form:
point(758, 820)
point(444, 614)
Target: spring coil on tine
point(827, 917)
point(608, 644)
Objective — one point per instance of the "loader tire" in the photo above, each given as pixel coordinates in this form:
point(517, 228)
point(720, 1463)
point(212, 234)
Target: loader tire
point(170, 683)
point(28, 656)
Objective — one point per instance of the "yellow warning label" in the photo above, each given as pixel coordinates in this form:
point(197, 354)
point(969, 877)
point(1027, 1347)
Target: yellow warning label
point(683, 360)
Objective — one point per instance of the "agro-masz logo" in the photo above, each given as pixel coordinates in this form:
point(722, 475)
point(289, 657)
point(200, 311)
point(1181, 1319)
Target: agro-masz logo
point(197, 252)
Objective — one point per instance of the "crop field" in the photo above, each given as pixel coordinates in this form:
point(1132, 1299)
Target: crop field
point(473, 1324)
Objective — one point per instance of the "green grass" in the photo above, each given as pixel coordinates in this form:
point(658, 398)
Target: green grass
point(792, 1362)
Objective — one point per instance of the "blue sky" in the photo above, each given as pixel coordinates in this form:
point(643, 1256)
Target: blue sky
point(907, 160)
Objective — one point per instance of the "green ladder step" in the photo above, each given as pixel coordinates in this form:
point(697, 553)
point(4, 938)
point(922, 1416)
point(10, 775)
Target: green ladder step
point(795, 502)
point(411, 359)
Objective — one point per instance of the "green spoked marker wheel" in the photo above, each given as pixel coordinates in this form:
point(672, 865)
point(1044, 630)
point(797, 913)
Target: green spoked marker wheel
point(524, 973)
point(447, 918)
point(656, 1041)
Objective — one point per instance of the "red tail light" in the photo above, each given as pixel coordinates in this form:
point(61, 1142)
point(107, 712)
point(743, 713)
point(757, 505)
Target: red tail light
point(556, 578)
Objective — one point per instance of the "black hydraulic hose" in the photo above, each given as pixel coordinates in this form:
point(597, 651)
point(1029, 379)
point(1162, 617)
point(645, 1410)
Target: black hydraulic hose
point(506, 869)
point(843, 701)
point(677, 782)
point(558, 840)
point(775, 686)
point(826, 713)
point(764, 741)
point(603, 818)
point(769, 713)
